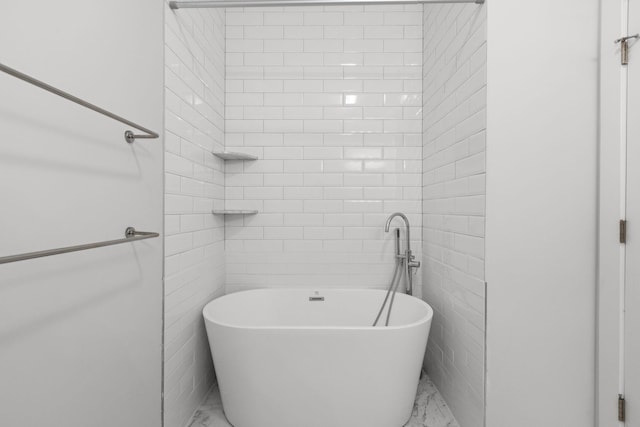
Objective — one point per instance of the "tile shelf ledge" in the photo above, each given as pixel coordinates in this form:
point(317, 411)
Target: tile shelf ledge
point(233, 212)
point(230, 155)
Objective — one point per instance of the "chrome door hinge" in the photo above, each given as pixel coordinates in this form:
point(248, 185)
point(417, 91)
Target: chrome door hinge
point(624, 47)
point(621, 408)
point(623, 231)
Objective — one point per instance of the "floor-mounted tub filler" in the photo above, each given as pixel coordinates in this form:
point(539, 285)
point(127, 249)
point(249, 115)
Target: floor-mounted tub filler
point(294, 358)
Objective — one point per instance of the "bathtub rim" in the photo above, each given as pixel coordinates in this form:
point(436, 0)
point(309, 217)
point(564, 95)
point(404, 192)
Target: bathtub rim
point(426, 319)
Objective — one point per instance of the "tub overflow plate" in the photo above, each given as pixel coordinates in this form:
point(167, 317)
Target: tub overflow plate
point(316, 297)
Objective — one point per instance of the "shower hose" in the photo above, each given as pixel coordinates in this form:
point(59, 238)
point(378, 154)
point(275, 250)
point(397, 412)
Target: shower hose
point(393, 287)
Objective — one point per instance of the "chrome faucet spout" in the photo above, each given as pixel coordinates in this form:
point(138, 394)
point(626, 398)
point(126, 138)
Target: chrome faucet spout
point(406, 224)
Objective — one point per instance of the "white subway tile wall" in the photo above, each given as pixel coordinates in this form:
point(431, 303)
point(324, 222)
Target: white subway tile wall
point(194, 184)
point(329, 100)
point(454, 104)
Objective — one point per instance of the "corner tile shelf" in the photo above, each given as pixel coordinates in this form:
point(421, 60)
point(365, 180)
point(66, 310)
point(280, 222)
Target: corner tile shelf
point(229, 155)
point(234, 212)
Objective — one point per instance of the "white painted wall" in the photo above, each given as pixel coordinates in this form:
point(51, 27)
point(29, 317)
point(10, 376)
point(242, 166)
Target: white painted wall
point(454, 122)
point(80, 333)
point(194, 185)
point(541, 212)
point(329, 99)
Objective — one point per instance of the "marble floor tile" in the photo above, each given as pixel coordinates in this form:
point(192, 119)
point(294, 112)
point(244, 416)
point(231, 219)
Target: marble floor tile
point(429, 409)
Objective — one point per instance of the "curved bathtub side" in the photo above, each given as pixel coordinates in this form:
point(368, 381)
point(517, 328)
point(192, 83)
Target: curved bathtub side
point(318, 377)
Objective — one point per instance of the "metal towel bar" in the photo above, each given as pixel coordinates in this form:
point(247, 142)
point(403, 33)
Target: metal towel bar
point(266, 3)
point(131, 235)
point(129, 136)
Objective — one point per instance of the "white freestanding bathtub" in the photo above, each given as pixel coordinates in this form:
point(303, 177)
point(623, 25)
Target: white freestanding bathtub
point(310, 358)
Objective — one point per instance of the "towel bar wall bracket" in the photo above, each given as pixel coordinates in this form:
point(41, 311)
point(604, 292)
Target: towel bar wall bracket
point(131, 137)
